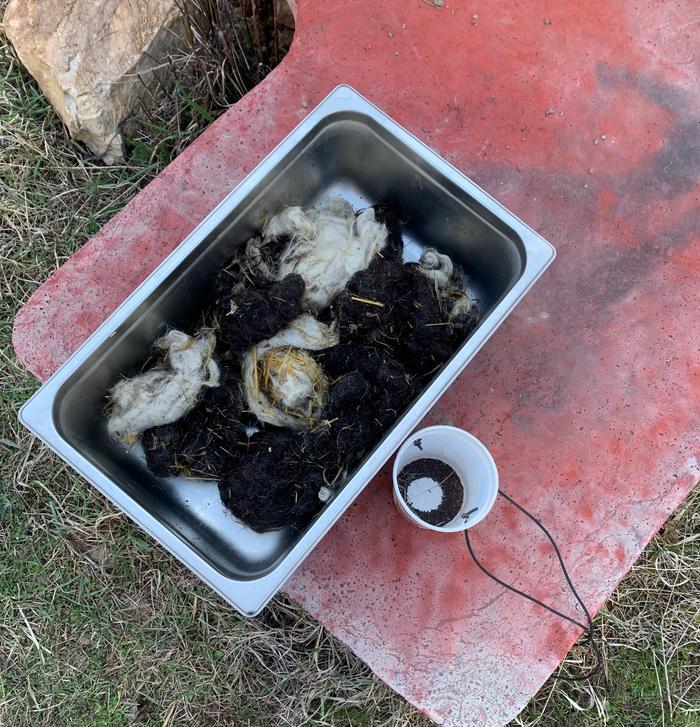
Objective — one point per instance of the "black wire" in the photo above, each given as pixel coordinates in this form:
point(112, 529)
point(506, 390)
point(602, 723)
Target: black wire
point(589, 630)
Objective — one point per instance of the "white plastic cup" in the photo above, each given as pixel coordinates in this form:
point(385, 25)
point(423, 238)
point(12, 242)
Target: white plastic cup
point(468, 457)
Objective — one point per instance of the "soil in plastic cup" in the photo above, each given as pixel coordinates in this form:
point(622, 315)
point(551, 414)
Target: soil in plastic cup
point(470, 460)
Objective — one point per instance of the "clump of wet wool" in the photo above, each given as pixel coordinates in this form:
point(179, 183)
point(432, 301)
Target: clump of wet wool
point(282, 384)
point(327, 245)
point(164, 395)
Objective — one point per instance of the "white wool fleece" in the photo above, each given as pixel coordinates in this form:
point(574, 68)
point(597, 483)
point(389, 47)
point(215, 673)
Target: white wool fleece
point(304, 332)
point(436, 267)
point(296, 386)
point(162, 396)
point(327, 246)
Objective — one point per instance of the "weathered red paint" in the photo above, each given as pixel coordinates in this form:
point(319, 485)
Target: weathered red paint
point(587, 395)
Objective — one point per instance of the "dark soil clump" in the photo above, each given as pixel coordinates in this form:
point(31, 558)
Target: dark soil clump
point(261, 312)
point(371, 390)
point(464, 324)
point(274, 486)
point(372, 300)
point(445, 481)
point(205, 442)
point(394, 304)
point(387, 215)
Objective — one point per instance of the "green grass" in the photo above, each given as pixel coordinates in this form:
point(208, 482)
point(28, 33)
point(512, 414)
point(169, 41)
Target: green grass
point(100, 627)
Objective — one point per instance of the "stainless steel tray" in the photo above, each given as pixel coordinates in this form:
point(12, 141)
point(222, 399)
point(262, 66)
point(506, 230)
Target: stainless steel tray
point(345, 146)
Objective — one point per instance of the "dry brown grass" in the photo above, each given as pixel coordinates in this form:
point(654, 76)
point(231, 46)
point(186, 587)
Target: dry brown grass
point(100, 627)
point(226, 49)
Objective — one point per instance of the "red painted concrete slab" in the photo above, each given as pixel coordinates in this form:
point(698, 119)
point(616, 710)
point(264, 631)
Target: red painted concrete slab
point(588, 127)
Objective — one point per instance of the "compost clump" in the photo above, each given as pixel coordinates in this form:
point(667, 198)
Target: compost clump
point(318, 336)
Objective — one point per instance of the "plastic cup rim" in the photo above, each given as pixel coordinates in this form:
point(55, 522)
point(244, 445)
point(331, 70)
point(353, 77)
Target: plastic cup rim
point(474, 443)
